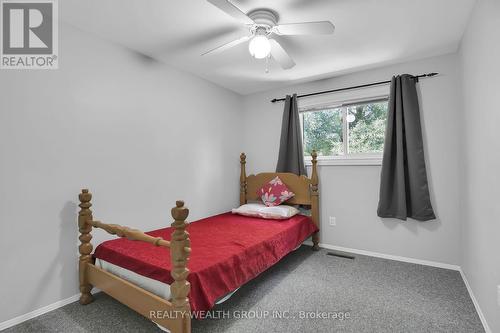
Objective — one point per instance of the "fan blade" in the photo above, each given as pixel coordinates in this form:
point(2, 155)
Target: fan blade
point(279, 54)
point(227, 46)
point(230, 9)
point(306, 28)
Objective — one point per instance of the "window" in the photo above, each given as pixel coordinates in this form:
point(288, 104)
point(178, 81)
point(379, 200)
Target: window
point(351, 131)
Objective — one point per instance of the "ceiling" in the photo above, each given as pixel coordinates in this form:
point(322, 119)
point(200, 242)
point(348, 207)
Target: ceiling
point(369, 33)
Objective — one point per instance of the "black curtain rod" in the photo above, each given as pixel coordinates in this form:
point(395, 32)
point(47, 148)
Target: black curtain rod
point(349, 88)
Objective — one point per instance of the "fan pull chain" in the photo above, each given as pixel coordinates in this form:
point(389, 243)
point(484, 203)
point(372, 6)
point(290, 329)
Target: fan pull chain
point(267, 64)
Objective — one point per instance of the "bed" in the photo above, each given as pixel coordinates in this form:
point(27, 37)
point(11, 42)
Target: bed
point(149, 271)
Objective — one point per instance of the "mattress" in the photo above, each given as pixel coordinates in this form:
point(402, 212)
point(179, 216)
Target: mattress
point(153, 286)
point(227, 250)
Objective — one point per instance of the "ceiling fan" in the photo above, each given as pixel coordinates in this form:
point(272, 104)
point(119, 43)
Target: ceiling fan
point(262, 24)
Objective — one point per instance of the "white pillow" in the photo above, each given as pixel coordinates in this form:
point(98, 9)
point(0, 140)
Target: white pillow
point(260, 210)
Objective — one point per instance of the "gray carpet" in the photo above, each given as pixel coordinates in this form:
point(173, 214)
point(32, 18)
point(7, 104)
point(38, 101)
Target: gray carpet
point(379, 295)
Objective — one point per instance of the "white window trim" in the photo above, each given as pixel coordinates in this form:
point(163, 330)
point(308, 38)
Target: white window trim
point(357, 97)
point(361, 159)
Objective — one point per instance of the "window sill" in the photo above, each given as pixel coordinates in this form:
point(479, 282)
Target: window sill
point(346, 161)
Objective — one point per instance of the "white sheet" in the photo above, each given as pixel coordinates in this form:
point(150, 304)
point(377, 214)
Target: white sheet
point(156, 287)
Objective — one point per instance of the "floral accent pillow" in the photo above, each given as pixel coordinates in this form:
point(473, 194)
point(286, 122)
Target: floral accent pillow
point(274, 193)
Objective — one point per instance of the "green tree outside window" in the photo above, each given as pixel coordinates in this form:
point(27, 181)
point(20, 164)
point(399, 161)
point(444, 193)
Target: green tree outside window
point(323, 130)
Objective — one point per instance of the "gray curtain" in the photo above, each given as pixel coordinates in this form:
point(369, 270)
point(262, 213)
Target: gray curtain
point(404, 190)
point(291, 155)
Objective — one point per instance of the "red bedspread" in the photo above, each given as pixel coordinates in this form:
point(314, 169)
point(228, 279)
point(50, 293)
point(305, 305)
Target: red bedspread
point(228, 250)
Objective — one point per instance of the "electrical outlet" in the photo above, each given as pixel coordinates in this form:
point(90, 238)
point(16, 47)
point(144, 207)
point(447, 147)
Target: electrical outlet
point(333, 221)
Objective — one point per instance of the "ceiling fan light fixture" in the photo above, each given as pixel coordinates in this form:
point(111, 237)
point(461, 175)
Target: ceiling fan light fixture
point(262, 23)
point(259, 47)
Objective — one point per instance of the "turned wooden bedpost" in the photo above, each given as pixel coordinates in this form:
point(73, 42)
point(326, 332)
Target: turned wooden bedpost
point(243, 180)
point(315, 199)
point(180, 248)
point(85, 248)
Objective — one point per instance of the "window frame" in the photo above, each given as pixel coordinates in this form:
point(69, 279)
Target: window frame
point(347, 158)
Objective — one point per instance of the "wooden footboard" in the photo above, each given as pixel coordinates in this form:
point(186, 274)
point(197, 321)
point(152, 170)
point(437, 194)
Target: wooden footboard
point(172, 314)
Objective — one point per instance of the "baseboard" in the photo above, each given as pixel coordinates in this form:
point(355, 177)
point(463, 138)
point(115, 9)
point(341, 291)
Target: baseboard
point(476, 304)
point(388, 256)
point(30, 315)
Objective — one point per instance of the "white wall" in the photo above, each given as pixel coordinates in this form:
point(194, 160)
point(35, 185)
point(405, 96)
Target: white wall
point(350, 193)
point(480, 246)
point(139, 134)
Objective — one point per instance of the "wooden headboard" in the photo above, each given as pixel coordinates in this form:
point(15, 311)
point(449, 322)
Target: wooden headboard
point(305, 189)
